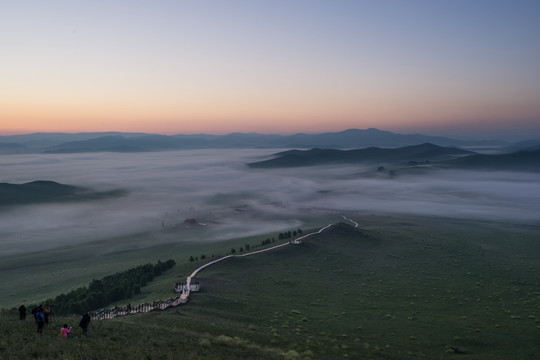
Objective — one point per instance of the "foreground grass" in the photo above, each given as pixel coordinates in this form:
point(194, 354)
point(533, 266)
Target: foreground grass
point(395, 289)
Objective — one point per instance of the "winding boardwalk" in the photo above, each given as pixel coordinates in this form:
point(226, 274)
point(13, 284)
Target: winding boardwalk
point(188, 280)
point(184, 296)
point(354, 222)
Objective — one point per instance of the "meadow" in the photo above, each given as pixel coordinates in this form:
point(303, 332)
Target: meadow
point(394, 288)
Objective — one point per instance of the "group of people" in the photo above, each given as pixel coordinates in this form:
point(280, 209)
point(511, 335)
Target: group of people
point(41, 316)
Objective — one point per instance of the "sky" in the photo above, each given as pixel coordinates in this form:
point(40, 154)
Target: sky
point(464, 68)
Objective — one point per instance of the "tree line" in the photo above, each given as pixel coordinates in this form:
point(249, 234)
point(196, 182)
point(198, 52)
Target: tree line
point(109, 289)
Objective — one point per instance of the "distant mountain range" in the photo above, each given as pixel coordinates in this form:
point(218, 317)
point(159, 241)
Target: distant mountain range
point(43, 191)
point(409, 156)
point(139, 142)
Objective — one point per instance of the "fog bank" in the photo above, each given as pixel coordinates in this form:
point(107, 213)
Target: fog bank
point(231, 200)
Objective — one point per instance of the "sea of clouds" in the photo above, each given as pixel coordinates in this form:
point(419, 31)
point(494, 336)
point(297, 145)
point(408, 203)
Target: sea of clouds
point(219, 190)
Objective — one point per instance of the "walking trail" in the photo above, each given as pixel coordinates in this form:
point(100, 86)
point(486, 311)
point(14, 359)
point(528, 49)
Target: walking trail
point(187, 288)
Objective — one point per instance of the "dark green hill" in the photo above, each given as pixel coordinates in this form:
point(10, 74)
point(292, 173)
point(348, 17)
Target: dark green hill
point(417, 153)
point(47, 191)
point(516, 161)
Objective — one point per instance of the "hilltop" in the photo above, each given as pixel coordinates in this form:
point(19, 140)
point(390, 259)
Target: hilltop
point(515, 161)
point(43, 191)
point(410, 156)
point(417, 153)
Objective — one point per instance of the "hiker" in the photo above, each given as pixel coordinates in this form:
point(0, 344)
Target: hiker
point(22, 312)
point(85, 321)
point(65, 331)
point(46, 313)
point(40, 320)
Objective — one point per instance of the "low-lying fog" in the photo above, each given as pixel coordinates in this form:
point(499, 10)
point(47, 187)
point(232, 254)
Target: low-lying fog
point(232, 200)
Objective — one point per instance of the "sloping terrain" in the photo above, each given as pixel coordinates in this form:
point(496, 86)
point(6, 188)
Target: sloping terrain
point(417, 153)
point(396, 288)
point(451, 158)
point(47, 191)
point(516, 161)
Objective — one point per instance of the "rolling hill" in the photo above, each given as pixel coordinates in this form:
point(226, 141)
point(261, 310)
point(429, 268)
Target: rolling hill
point(516, 161)
point(409, 156)
point(417, 153)
point(42, 191)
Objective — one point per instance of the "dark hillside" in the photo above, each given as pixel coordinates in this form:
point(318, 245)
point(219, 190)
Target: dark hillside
point(36, 191)
point(373, 155)
point(47, 191)
point(518, 161)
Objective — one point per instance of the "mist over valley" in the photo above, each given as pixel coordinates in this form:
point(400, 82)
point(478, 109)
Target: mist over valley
point(154, 193)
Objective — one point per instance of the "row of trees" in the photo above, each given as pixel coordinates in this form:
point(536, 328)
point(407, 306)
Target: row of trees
point(289, 234)
point(109, 289)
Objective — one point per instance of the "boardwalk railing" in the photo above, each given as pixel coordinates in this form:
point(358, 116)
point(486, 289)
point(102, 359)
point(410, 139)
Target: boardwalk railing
point(142, 308)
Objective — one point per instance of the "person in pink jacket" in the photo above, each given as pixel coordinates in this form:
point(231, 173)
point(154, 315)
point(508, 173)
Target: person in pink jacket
point(65, 331)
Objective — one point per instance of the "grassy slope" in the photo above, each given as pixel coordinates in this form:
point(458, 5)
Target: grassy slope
point(397, 289)
point(35, 276)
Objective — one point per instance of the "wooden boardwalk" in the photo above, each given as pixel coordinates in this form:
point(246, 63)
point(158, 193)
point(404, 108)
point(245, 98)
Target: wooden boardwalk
point(183, 297)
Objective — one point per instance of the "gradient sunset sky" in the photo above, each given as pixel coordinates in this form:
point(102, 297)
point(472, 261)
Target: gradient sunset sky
point(468, 68)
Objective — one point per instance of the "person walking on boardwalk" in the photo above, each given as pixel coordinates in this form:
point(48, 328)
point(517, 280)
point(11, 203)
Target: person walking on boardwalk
point(85, 321)
point(22, 312)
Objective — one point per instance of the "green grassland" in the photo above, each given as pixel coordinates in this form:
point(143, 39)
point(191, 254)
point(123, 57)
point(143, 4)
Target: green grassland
point(393, 288)
point(37, 275)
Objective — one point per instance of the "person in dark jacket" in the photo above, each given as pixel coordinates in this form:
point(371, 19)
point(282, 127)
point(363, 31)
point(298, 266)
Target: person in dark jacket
point(22, 312)
point(85, 321)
